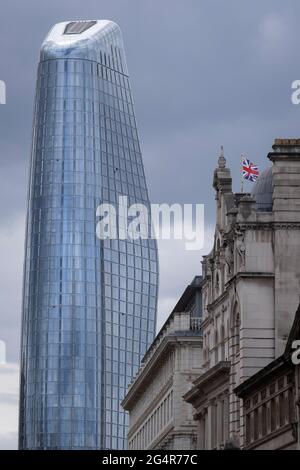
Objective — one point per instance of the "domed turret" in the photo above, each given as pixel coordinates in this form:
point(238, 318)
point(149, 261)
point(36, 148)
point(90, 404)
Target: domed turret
point(263, 191)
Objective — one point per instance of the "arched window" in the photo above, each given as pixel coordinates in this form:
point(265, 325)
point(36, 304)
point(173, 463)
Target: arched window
point(235, 332)
point(217, 284)
point(236, 328)
point(222, 341)
point(204, 302)
point(216, 344)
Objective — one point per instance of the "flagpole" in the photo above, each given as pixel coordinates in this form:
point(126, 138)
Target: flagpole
point(242, 178)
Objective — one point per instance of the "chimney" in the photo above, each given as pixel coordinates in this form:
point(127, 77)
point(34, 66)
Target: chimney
point(286, 180)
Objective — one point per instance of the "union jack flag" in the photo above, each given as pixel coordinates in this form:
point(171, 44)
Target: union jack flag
point(250, 171)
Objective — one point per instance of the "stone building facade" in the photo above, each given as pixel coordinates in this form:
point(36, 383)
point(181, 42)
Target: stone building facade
point(271, 399)
point(250, 288)
point(210, 396)
point(159, 418)
point(251, 285)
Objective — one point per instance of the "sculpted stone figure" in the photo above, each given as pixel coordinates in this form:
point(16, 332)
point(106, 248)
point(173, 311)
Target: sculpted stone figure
point(229, 257)
point(240, 247)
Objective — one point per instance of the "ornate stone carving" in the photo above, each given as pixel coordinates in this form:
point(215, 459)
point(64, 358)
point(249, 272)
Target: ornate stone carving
point(240, 246)
point(228, 256)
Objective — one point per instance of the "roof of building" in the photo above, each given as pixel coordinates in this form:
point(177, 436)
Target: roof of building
point(188, 294)
point(181, 306)
point(263, 191)
point(96, 40)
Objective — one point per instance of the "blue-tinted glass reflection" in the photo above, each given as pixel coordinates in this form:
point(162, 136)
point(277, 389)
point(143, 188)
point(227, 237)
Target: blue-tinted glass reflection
point(89, 306)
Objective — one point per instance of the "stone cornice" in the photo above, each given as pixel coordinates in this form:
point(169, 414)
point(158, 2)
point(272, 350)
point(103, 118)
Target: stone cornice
point(270, 225)
point(207, 321)
point(221, 369)
point(217, 301)
point(261, 225)
point(249, 274)
point(286, 225)
point(233, 278)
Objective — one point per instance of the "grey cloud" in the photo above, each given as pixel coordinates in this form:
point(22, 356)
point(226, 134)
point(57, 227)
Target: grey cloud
point(9, 441)
point(204, 73)
point(9, 398)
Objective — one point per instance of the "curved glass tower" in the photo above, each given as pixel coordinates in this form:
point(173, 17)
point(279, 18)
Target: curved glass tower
point(89, 305)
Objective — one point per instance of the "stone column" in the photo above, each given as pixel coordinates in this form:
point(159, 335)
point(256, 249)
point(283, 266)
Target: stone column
point(226, 418)
point(220, 422)
point(208, 427)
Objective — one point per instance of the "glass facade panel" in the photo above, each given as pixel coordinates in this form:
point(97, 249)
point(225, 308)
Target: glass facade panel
point(89, 305)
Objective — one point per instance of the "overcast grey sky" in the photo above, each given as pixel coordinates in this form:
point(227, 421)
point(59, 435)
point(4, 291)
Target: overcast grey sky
point(203, 73)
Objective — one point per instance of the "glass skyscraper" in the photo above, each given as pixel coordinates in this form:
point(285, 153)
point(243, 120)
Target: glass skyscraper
point(89, 305)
